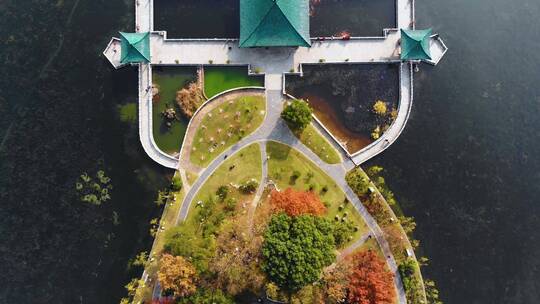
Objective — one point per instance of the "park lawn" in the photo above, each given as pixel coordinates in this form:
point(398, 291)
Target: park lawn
point(315, 141)
point(170, 80)
point(226, 125)
point(218, 79)
point(243, 166)
point(284, 160)
point(168, 220)
point(191, 177)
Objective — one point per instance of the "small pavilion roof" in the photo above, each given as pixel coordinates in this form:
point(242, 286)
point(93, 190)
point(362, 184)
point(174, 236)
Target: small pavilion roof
point(415, 44)
point(274, 23)
point(135, 47)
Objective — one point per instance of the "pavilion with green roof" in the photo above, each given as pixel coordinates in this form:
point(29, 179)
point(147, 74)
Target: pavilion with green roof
point(415, 44)
point(273, 23)
point(135, 47)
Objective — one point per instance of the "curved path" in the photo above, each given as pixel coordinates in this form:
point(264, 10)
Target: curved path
point(275, 129)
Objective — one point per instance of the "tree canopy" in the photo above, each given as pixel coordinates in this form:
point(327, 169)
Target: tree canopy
point(370, 281)
point(297, 114)
point(296, 203)
point(177, 275)
point(296, 249)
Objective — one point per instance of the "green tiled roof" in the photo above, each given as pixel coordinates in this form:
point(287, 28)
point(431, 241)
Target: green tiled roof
point(415, 44)
point(135, 47)
point(274, 23)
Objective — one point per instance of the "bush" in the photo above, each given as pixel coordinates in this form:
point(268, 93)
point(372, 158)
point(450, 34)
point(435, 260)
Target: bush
point(296, 174)
point(176, 183)
point(380, 108)
point(297, 114)
point(222, 192)
point(250, 186)
point(342, 232)
point(358, 181)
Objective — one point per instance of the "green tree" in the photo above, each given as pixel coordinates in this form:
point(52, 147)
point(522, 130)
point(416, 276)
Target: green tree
point(297, 114)
point(176, 183)
point(183, 241)
point(296, 249)
point(358, 181)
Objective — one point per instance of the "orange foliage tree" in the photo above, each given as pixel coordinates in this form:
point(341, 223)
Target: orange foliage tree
point(370, 282)
point(177, 275)
point(296, 203)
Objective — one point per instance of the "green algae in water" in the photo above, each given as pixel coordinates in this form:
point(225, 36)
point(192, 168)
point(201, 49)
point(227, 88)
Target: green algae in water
point(170, 80)
point(218, 79)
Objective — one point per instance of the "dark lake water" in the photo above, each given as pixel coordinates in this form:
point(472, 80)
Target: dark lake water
point(466, 166)
point(191, 18)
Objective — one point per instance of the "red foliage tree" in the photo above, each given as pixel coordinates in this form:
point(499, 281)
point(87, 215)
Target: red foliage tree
point(296, 203)
point(370, 282)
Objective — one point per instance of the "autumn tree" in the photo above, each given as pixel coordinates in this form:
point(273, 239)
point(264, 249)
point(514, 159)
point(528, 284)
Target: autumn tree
point(235, 265)
point(189, 99)
point(177, 275)
point(370, 281)
point(296, 249)
point(379, 107)
point(336, 282)
point(295, 202)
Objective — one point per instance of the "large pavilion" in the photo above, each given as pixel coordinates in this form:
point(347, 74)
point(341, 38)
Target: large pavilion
point(271, 23)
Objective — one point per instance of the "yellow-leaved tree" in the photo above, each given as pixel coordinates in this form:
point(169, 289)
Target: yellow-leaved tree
point(177, 275)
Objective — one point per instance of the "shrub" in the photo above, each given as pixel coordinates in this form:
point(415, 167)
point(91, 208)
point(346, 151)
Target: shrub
point(189, 99)
point(222, 192)
point(249, 186)
point(358, 181)
point(297, 114)
point(380, 108)
point(176, 183)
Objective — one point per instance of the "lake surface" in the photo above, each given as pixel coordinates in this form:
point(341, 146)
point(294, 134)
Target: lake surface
point(220, 18)
point(466, 166)
point(342, 97)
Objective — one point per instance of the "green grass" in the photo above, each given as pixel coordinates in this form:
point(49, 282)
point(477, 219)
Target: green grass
point(170, 80)
point(218, 79)
point(242, 166)
point(223, 127)
point(316, 142)
point(284, 160)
